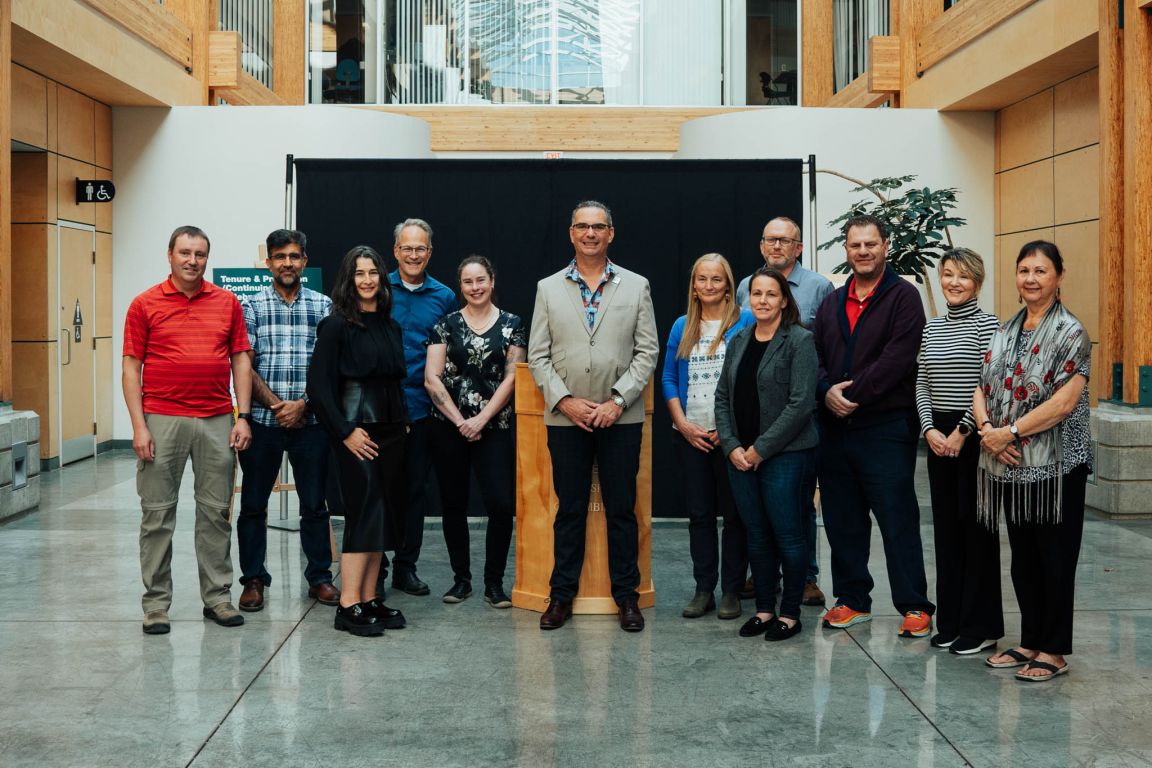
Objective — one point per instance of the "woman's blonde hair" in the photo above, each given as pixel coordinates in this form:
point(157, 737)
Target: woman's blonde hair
point(968, 262)
point(728, 316)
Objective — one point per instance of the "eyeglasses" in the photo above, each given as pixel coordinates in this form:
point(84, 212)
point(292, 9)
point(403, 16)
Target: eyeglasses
point(784, 241)
point(597, 227)
point(417, 250)
point(295, 258)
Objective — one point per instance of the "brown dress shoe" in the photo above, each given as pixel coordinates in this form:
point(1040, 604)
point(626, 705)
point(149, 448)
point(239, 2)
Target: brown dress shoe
point(813, 595)
point(631, 620)
point(558, 612)
point(252, 598)
point(325, 593)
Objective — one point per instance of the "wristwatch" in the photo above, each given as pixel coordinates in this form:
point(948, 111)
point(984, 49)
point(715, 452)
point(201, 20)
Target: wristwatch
point(1015, 432)
point(964, 429)
point(619, 400)
point(245, 416)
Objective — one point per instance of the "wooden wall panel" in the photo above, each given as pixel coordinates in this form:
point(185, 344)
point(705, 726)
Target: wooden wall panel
point(1024, 131)
point(1026, 197)
point(5, 199)
point(50, 94)
point(107, 388)
point(104, 326)
point(959, 26)
point(1076, 112)
point(103, 149)
point(31, 319)
point(36, 387)
point(76, 125)
point(30, 187)
point(103, 211)
point(29, 107)
point(1073, 200)
point(1080, 290)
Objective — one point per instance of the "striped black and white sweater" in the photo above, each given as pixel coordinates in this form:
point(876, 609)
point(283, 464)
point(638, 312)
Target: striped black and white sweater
point(948, 366)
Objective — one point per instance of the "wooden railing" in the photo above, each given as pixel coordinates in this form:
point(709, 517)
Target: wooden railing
point(960, 25)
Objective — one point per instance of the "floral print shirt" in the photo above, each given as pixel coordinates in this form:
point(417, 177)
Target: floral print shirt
point(475, 363)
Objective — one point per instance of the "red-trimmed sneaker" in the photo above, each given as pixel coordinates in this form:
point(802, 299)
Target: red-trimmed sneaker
point(916, 624)
point(841, 617)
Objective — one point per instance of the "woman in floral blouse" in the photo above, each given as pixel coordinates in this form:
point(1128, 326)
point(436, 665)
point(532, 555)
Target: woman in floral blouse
point(470, 374)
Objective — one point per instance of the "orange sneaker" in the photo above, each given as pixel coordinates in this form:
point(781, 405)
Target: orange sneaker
point(841, 616)
point(916, 624)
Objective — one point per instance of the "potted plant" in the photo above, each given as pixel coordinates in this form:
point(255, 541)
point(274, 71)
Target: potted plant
point(918, 222)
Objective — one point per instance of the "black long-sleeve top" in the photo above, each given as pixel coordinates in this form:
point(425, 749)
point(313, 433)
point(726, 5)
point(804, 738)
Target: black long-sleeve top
point(372, 355)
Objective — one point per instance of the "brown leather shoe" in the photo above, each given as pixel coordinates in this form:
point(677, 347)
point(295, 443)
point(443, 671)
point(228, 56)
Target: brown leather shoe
point(252, 598)
point(813, 594)
point(325, 593)
point(631, 620)
point(558, 612)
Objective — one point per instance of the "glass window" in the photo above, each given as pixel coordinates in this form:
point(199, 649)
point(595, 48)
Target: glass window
point(516, 51)
point(853, 23)
point(771, 65)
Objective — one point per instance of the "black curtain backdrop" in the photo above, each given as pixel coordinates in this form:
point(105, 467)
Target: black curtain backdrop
point(666, 213)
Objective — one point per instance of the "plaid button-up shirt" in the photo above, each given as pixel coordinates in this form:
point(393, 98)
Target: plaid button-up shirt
point(590, 297)
point(282, 335)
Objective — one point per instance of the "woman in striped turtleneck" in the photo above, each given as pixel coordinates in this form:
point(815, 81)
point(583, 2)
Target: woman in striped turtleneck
point(969, 617)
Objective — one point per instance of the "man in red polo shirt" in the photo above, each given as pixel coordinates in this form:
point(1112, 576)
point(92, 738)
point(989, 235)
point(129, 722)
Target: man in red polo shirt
point(183, 340)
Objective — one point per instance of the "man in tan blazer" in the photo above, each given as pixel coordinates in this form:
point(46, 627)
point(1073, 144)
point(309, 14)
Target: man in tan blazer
point(592, 349)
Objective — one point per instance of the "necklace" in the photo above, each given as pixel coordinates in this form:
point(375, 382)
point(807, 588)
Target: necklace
point(482, 324)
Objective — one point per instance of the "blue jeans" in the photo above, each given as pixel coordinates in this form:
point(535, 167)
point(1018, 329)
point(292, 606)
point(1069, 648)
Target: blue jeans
point(307, 449)
point(869, 471)
point(770, 502)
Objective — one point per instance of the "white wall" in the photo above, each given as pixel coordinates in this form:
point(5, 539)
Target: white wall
point(955, 149)
point(222, 169)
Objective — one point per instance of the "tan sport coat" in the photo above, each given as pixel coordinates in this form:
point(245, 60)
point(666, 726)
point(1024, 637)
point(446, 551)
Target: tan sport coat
point(618, 354)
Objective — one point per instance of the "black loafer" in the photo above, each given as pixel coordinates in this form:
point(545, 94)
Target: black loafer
point(410, 583)
point(755, 626)
point(778, 630)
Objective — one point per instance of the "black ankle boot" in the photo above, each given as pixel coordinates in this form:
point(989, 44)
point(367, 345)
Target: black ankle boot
point(389, 618)
point(358, 621)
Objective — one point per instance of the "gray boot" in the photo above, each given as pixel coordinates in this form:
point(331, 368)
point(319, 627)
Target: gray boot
point(729, 606)
point(700, 604)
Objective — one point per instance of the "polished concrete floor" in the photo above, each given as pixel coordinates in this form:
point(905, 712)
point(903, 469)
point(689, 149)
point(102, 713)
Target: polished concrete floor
point(468, 685)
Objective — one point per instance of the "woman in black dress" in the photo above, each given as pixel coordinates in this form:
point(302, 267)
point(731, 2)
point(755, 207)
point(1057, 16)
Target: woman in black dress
point(354, 388)
point(471, 371)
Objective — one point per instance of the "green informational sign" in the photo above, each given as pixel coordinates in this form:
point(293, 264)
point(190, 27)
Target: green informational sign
point(245, 281)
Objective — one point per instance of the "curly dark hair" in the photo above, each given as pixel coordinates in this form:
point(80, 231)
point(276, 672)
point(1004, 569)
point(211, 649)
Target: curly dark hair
point(345, 299)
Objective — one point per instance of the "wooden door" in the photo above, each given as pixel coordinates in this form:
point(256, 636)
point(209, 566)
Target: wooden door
point(76, 276)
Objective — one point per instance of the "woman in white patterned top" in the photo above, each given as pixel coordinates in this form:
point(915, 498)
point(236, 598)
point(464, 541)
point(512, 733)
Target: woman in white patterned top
point(692, 363)
point(969, 615)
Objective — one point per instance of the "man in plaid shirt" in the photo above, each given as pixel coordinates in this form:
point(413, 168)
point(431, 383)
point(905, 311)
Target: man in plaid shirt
point(282, 322)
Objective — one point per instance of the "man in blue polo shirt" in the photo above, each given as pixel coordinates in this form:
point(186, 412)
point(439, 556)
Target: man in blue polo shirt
point(282, 322)
point(781, 246)
point(418, 302)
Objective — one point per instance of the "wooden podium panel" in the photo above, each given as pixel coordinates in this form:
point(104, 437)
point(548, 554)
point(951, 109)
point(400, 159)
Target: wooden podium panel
point(536, 505)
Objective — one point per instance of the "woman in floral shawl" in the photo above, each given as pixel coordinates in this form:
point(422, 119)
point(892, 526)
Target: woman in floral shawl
point(470, 374)
point(1032, 405)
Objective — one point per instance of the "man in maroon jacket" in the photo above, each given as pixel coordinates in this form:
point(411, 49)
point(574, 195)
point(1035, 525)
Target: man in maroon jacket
point(867, 338)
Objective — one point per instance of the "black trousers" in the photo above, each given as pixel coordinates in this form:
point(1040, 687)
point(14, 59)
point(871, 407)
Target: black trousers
point(708, 492)
point(417, 465)
point(968, 602)
point(616, 452)
point(1044, 557)
point(493, 457)
point(373, 491)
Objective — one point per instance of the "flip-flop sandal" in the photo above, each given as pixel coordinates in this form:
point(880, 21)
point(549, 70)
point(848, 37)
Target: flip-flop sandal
point(1018, 660)
point(1052, 668)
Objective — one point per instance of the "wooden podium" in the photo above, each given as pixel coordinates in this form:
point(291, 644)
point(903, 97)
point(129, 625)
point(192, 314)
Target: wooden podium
point(536, 510)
